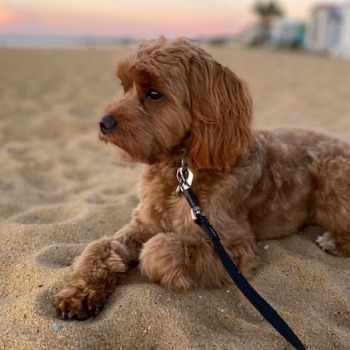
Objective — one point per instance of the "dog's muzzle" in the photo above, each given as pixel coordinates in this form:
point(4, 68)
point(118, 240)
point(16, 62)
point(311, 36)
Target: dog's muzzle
point(107, 124)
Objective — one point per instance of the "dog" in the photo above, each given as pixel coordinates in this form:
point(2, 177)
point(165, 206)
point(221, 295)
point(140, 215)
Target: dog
point(182, 105)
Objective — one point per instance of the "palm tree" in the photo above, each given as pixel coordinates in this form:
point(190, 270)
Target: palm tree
point(267, 11)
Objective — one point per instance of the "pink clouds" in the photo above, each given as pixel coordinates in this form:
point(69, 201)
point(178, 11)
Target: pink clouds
point(48, 23)
point(116, 22)
point(134, 18)
point(9, 16)
point(16, 20)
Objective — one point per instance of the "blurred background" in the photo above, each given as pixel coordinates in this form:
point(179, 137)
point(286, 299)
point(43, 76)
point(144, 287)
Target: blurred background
point(321, 26)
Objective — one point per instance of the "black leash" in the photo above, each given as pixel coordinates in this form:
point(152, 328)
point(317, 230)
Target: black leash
point(185, 177)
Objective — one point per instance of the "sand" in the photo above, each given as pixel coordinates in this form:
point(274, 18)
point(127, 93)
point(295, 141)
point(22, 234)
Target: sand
point(60, 189)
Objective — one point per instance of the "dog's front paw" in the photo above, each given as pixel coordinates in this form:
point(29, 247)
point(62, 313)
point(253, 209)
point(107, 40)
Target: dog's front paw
point(78, 303)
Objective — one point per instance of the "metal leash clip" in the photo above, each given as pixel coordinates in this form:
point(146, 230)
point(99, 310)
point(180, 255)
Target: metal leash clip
point(184, 176)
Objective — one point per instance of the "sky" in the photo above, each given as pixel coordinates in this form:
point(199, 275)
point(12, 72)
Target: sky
point(136, 18)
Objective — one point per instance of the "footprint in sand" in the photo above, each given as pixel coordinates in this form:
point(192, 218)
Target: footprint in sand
point(55, 256)
point(59, 255)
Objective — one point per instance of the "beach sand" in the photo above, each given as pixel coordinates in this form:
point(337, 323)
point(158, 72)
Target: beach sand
point(60, 188)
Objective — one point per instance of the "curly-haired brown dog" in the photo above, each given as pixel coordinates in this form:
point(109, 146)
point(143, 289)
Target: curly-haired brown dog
point(180, 103)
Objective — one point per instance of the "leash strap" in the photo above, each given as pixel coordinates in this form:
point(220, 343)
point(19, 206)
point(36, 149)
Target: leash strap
point(265, 309)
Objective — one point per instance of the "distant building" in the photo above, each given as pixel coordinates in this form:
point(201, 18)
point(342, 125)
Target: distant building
point(252, 35)
point(287, 33)
point(329, 29)
point(343, 47)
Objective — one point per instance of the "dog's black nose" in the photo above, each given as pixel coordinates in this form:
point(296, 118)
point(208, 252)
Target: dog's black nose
point(107, 124)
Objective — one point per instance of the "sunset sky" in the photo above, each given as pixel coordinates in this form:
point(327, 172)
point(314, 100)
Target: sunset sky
point(135, 18)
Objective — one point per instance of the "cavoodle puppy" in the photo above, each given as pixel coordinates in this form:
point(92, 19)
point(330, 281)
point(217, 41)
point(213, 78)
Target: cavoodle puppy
point(180, 104)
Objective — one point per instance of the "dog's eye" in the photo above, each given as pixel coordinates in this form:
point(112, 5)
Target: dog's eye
point(153, 95)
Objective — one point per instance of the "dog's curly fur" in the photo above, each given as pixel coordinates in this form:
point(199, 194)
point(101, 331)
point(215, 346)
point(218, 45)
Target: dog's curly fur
point(252, 185)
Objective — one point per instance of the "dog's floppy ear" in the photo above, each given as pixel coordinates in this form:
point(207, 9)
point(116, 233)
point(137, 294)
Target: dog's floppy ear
point(221, 109)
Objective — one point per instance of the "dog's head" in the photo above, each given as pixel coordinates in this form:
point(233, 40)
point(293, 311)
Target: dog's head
point(179, 103)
